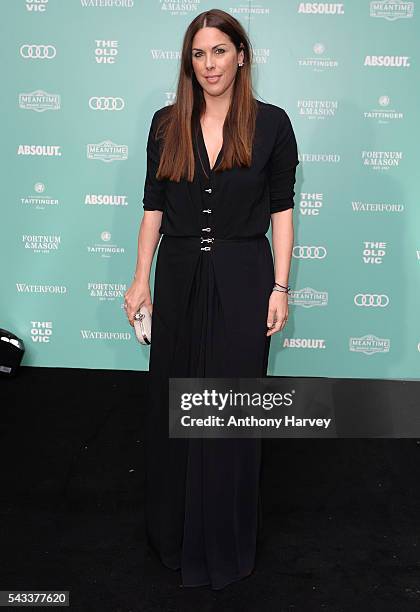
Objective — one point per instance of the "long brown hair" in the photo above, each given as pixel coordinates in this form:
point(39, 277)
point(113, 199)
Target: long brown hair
point(177, 156)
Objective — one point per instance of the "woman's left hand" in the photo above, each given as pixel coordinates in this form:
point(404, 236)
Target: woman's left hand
point(278, 312)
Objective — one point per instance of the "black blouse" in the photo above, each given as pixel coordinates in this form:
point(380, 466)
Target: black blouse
point(235, 203)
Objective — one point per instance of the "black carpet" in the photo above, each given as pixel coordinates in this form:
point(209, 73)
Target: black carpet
point(341, 517)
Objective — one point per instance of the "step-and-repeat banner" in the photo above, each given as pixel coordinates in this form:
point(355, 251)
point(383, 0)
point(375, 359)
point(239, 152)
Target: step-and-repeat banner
point(81, 81)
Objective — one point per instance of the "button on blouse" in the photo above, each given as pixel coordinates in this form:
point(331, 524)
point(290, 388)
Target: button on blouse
point(235, 203)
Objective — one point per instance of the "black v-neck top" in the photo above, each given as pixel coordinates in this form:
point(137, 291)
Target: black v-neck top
point(235, 203)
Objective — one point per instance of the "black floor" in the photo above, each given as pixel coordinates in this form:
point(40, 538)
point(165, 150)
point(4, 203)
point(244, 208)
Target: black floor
point(341, 516)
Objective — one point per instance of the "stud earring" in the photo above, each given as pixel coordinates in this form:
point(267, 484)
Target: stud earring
point(241, 64)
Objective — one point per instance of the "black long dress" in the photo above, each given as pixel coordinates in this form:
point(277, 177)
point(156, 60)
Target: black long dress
point(213, 279)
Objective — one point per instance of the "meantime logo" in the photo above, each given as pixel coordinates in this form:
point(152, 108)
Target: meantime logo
point(106, 51)
point(381, 160)
point(317, 109)
point(39, 101)
point(94, 199)
point(41, 244)
point(321, 8)
point(106, 291)
point(39, 150)
point(383, 114)
point(392, 10)
point(105, 248)
point(319, 62)
point(387, 61)
point(93, 334)
point(369, 344)
point(311, 203)
point(305, 343)
point(377, 207)
point(54, 289)
point(107, 151)
point(39, 202)
point(308, 297)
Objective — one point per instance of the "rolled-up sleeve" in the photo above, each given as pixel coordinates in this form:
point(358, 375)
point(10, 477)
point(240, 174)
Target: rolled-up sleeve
point(282, 167)
point(154, 189)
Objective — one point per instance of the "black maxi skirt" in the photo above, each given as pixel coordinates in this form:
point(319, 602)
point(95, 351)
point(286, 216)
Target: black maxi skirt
point(210, 308)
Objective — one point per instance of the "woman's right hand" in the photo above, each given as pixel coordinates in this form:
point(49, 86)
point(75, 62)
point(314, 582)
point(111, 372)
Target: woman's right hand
point(135, 297)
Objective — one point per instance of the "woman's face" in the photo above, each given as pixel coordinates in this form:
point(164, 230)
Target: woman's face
point(215, 55)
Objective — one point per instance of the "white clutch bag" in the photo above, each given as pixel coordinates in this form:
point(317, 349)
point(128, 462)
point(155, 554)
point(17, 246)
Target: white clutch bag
point(143, 325)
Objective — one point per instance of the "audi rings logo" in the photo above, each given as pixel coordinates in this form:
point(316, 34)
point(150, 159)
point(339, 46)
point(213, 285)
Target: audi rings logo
point(38, 51)
point(309, 252)
point(371, 299)
point(109, 104)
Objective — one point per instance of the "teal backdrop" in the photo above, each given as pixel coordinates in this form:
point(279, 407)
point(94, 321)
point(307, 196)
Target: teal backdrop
point(81, 81)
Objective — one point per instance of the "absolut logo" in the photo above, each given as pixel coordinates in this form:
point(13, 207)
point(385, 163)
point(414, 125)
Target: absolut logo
point(94, 199)
point(387, 61)
point(39, 101)
point(373, 252)
point(39, 150)
point(321, 8)
point(106, 291)
point(308, 297)
point(381, 160)
point(311, 203)
point(50, 289)
point(369, 344)
point(317, 109)
point(305, 343)
point(381, 207)
point(41, 244)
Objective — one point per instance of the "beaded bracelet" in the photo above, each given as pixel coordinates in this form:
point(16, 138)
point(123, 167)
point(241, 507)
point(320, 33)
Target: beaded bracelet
point(284, 289)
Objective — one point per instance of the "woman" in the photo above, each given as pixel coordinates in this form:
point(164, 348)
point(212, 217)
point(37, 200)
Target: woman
point(219, 163)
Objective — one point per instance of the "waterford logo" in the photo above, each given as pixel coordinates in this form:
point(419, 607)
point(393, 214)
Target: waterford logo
point(93, 334)
point(25, 288)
